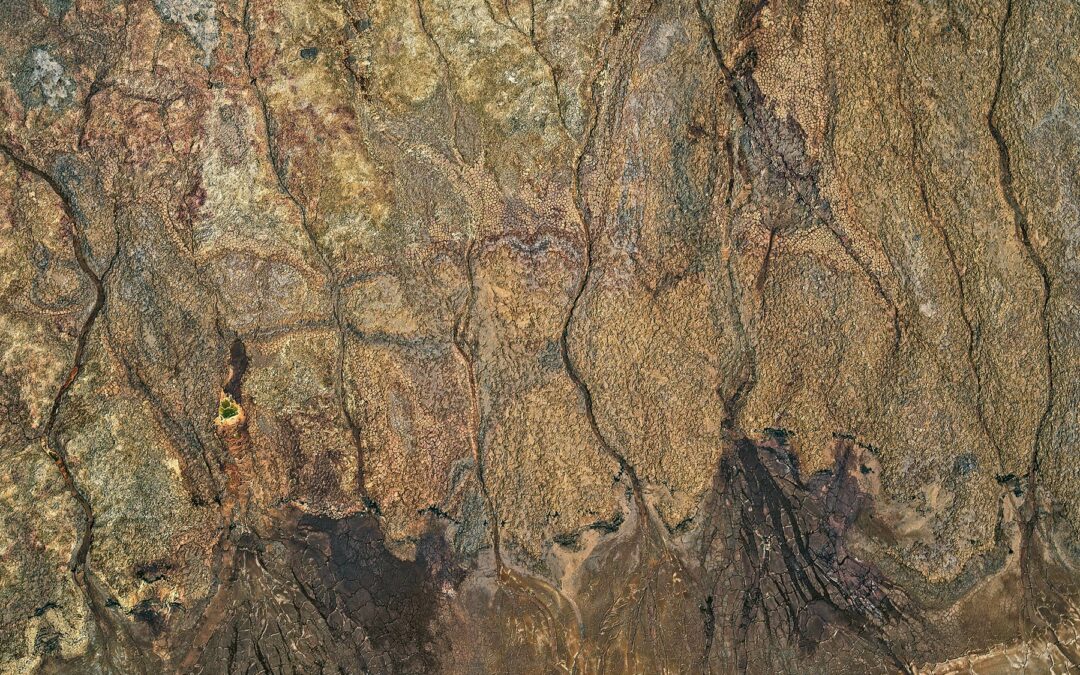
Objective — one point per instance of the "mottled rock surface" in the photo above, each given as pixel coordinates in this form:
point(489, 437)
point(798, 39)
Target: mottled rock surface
point(505, 336)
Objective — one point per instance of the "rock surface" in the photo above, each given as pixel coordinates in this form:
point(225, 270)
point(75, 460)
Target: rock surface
point(410, 336)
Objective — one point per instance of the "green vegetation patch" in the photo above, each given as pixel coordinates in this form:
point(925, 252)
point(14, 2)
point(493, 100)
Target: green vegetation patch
point(228, 408)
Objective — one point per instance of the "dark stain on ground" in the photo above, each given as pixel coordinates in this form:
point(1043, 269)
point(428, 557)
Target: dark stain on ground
point(153, 571)
point(238, 365)
point(325, 595)
point(775, 558)
point(965, 463)
point(148, 614)
point(353, 574)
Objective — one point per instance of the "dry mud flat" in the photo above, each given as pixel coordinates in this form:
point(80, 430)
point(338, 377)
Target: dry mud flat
point(414, 336)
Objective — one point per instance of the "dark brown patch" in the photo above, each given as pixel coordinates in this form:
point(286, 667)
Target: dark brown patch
point(324, 594)
point(775, 558)
point(238, 365)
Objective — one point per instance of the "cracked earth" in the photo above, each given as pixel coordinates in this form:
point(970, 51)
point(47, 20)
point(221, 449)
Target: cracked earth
point(514, 336)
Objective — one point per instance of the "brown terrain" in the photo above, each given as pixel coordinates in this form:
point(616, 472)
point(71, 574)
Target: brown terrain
point(539, 336)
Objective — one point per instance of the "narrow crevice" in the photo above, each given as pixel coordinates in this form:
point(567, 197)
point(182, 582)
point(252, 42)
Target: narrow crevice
point(763, 271)
point(746, 98)
point(734, 403)
point(233, 645)
point(972, 330)
point(451, 103)
point(530, 36)
point(307, 594)
point(748, 19)
point(466, 351)
point(917, 170)
point(280, 173)
point(96, 87)
point(1023, 232)
point(708, 613)
point(564, 338)
point(491, 14)
point(281, 176)
point(179, 432)
point(1036, 588)
point(54, 449)
point(354, 429)
point(102, 81)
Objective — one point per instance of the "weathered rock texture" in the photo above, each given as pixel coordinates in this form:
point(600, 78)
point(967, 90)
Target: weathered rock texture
point(492, 336)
